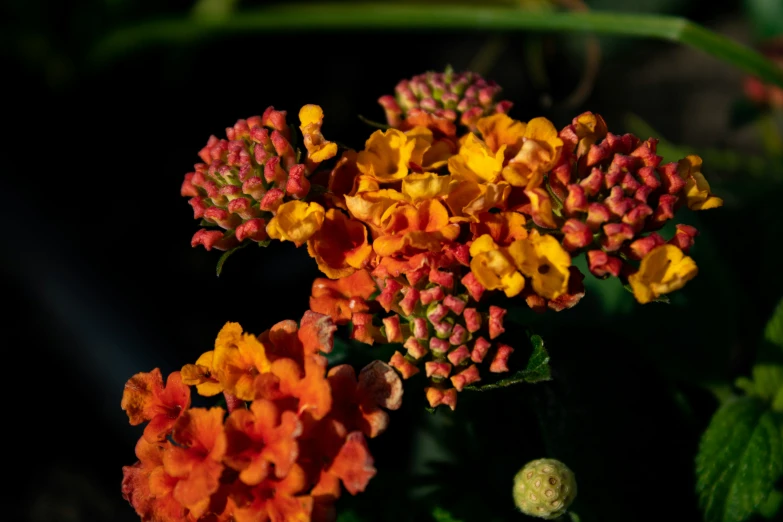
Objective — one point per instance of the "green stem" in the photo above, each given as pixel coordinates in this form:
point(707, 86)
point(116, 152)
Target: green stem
point(369, 16)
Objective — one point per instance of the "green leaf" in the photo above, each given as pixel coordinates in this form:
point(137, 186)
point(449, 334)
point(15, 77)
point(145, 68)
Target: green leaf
point(774, 330)
point(766, 17)
point(226, 254)
point(770, 507)
point(537, 369)
point(374, 16)
point(767, 382)
point(441, 515)
point(740, 458)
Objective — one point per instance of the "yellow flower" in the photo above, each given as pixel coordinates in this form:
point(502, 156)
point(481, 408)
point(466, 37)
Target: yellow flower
point(237, 360)
point(494, 268)
point(664, 269)
point(426, 185)
point(202, 375)
point(498, 130)
point(429, 154)
point(540, 151)
point(545, 261)
point(589, 128)
point(476, 161)
point(386, 155)
point(370, 207)
point(296, 221)
point(697, 190)
point(311, 117)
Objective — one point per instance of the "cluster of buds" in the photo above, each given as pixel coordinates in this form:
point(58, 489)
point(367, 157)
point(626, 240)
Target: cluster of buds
point(608, 195)
point(432, 307)
point(292, 434)
point(440, 100)
point(244, 180)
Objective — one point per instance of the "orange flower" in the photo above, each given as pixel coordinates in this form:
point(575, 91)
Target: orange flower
point(421, 226)
point(469, 198)
point(503, 227)
point(277, 501)
point(145, 399)
point(340, 246)
point(499, 130)
point(238, 359)
point(341, 298)
point(196, 458)
point(354, 464)
point(540, 150)
point(261, 436)
point(148, 487)
point(202, 375)
point(371, 207)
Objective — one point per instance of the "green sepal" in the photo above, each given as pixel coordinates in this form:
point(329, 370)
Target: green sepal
point(226, 255)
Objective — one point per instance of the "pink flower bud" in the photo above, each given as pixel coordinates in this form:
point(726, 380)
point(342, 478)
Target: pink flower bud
point(420, 330)
point(243, 207)
point(272, 200)
point(438, 396)
point(620, 165)
point(415, 349)
point(641, 247)
point(576, 235)
point(430, 295)
point(649, 177)
point(458, 335)
point(222, 218)
point(210, 239)
point(646, 152)
point(576, 200)
point(472, 319)
point(683, 238)
point(402, 365)
point(602, 265)
point(442, 328)
point(670, 178)
point(475, 289)
point(187, 189)
point(254, 187)
point(664, 211)
point(617, 203)
point(408, 302)
point(616, 234)
point(439, 346)
point(392, 327)
point(455, 304)
point(597, 214)
point(466, 377)
point(444, 279)
point(459, 355)
point(500, 361)
point(199, 207)
point(437, 369)
point(388, 294)
point(480, 349)
point(637, 216)
point(496, 315)
point(254, 229)
point(297, 185)
point(437, 312)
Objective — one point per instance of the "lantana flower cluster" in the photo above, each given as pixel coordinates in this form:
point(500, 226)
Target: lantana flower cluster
point(418, 229)
point(291, 437)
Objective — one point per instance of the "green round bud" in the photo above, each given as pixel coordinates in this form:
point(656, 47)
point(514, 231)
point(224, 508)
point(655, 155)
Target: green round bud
point(544, 488)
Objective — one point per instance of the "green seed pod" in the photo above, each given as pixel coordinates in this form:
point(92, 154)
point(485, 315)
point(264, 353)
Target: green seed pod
point(544, 488)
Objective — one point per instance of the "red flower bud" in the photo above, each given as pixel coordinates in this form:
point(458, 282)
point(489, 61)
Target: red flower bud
point(254, 229)
point(500, 360)
point(576, 235)
point(602, 265)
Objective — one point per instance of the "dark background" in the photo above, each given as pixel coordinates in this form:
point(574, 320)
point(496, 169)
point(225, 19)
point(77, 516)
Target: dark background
point(100, 282)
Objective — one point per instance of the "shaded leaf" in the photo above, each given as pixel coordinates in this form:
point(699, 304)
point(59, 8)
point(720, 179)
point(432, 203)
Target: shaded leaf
point(342, 17)
point(441, 515)
point(771, 506)
point(537, 369)
point(226, 255)
point(740, 458)
point(774, 330)
point(371, 123)
point(767, 382)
